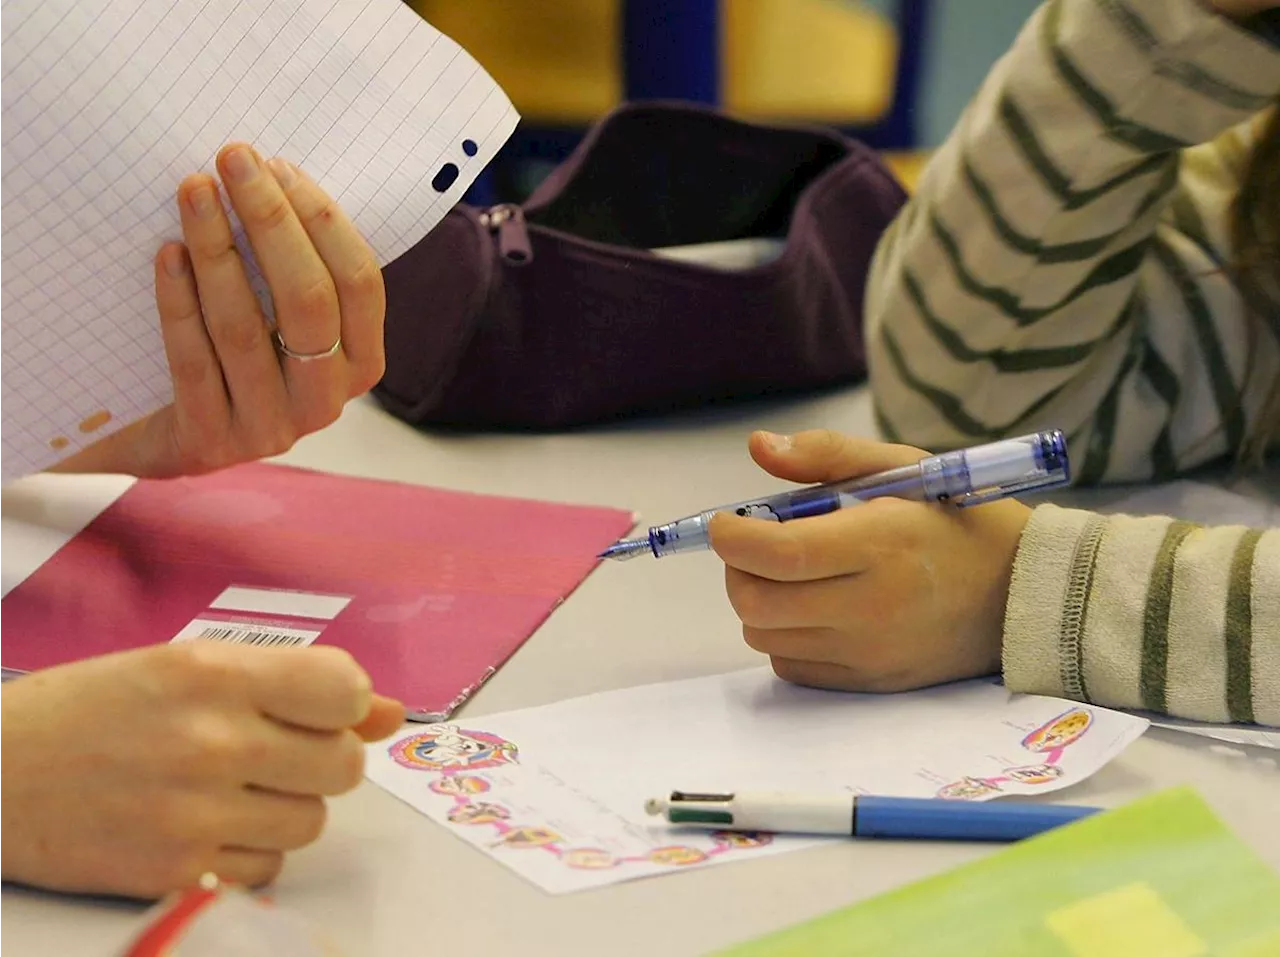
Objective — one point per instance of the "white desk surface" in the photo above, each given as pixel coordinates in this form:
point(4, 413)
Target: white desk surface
point(385, 882)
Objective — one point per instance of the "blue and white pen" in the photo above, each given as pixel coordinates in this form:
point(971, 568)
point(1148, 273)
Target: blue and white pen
point(853, 815)
point(984, 473)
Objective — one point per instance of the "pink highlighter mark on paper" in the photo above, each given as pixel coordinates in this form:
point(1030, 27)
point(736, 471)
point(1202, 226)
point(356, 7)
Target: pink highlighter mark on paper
point(430, 590)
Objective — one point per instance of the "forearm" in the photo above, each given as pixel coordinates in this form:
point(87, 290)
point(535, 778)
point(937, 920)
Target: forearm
point(1006, 293)
point(1148, 613)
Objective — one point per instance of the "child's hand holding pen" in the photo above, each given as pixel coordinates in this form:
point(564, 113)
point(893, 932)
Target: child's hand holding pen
point(887, 596)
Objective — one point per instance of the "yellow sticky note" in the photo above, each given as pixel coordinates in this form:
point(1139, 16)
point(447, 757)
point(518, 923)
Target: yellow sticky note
point(1130, 921)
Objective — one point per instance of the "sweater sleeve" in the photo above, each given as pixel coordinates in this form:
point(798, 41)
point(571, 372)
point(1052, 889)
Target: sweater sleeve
point(1150, 613)
point(1062, 264)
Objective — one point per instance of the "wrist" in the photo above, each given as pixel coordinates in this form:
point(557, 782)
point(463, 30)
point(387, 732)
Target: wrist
point(1003, 524)
point(114, 454)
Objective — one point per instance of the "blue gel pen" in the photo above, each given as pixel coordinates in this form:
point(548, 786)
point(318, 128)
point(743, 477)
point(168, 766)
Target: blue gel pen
point(852, 815)
point(965, 477)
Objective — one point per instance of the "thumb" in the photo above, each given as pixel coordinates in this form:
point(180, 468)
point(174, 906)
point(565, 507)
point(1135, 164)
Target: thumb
point(822, 455)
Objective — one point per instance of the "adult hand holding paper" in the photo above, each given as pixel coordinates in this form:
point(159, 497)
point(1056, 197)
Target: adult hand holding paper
point(107, 106)
point(234, 399)
point(136, 773)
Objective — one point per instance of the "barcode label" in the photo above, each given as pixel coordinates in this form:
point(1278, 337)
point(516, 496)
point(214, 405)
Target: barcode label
point(245, 637)
point(245, 633)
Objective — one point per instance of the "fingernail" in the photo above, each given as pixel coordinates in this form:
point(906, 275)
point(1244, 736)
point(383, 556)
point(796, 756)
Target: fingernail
point(283, 171)
point(779, 443)
point(203, 201)
point(240, 164)
point(174, 260)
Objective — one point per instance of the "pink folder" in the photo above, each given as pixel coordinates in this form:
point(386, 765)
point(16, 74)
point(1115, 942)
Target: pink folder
point(430, 590)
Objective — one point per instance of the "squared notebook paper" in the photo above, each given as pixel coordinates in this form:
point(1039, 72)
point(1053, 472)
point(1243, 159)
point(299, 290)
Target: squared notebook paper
point(557, 793)
point(431, 590)
point(1161, 877)
point(108, 105)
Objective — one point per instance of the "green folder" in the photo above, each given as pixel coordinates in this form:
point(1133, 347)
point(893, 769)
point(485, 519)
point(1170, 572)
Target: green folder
point(1161, 877)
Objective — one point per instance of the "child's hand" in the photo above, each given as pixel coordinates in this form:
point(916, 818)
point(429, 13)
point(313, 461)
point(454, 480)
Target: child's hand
point(235, 397)
point(885, 596)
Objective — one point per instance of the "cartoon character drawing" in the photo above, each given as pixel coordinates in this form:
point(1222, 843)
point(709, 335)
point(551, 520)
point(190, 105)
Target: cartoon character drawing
point(453, 755)
point(446, 748)
point(741, 839)
point(523, 837)
point(589, 858)
point(459, 785)
point(479, 813)
point(1034, 774)
point(1060, 732)
point(967, 789)
point(676, 856)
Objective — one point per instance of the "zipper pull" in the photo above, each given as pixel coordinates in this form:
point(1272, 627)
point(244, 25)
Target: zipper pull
point(507, 220)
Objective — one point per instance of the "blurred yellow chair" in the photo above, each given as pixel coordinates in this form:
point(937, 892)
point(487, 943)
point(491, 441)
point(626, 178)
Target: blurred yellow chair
point(561, 62)
point(819, 60)
point(907, 165)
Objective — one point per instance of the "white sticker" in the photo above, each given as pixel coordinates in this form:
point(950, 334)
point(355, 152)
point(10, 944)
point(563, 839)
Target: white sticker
point(272, 601)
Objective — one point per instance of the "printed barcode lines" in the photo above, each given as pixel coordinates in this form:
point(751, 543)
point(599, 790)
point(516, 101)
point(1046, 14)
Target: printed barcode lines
point(247, 636)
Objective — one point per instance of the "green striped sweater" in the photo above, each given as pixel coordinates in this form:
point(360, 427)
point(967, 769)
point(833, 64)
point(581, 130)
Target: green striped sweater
point(1063, 264)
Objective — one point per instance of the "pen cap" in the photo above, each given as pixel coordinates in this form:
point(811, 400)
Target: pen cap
point(1009, 466)
point(942, 820)
point(1041, 456)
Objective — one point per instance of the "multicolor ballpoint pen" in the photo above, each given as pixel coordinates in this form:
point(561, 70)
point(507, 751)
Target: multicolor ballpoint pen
point(854, 815)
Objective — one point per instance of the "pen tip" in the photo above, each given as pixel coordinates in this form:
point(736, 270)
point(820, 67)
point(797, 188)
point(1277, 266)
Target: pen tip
point(654, 806)
point(625, 549)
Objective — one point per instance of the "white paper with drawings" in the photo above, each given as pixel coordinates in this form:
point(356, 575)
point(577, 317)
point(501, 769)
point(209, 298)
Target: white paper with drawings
point(556, 793)
point(1207, 504)
point(108, 105)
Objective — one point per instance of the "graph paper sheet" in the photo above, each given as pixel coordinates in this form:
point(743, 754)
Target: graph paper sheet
point(109, 105)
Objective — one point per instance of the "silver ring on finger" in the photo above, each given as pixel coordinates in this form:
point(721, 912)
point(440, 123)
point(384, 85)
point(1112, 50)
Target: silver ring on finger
point(288, 353)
